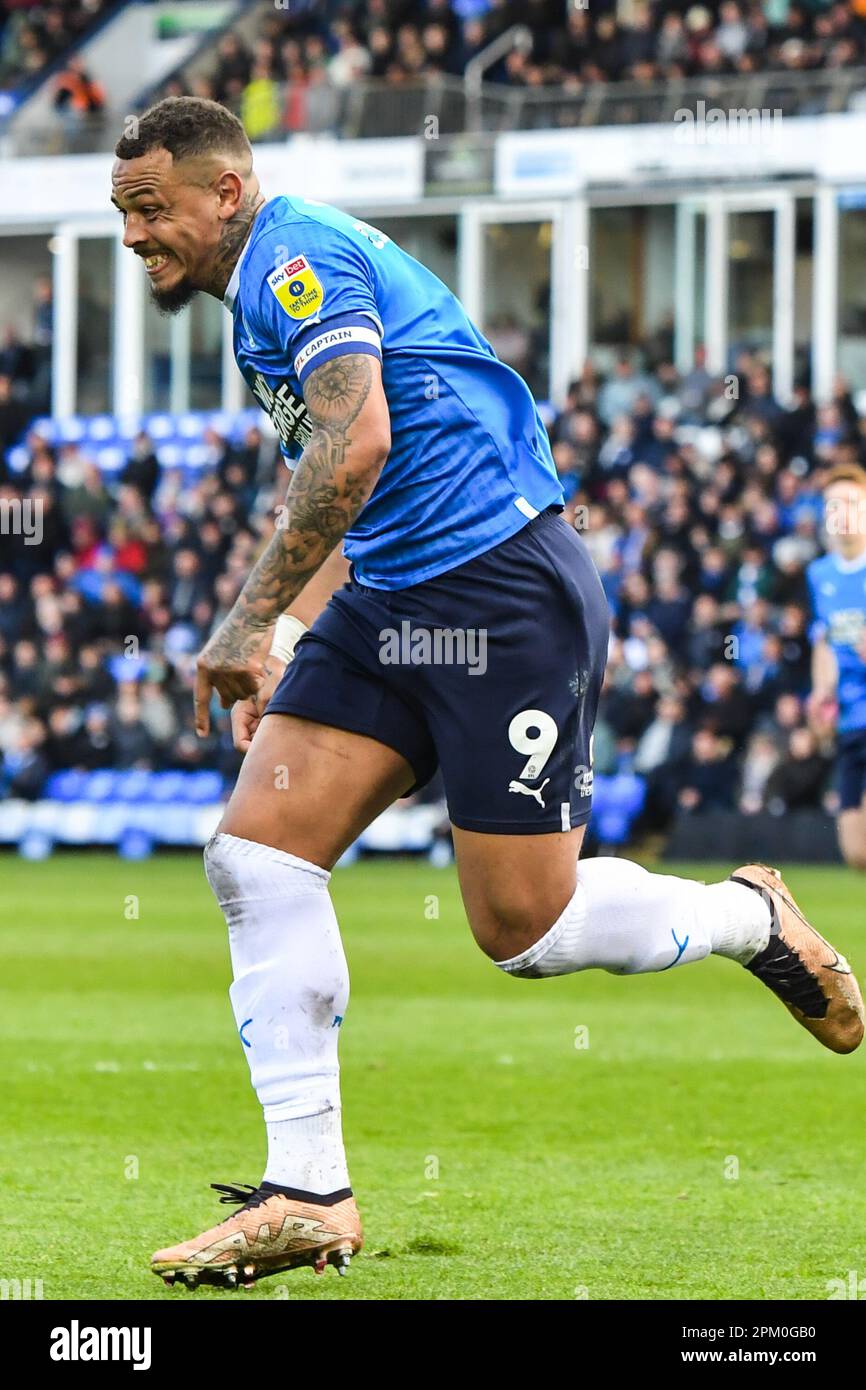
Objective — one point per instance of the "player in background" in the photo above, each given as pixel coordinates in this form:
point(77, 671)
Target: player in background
point(837, 584)
point(424, 458)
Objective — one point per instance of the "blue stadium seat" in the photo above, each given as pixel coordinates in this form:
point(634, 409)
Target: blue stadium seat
point(68, 785)
point(616, 803)
point(198, 456)
point(190, 425)
point(170, 455)
point(111, 458)
point(167, 786)
point(204, 787)
point(101, 428)
point(159, 426)
point(128, 426)
point(71, 430)
point(99, 786)
point(221, 421)
point(18, 458)
point(133, 785)
point(127, 668)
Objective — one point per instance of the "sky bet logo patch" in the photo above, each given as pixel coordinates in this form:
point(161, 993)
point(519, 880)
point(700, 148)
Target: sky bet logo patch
point(298, 288)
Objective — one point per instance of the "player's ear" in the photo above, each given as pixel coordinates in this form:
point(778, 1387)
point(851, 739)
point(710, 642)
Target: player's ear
point(230, 193)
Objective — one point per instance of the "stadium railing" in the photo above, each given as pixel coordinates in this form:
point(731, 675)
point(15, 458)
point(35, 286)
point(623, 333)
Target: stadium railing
point(441, 106)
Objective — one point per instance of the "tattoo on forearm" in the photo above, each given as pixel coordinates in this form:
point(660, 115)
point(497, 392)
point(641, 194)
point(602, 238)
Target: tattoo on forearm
point(325, 495)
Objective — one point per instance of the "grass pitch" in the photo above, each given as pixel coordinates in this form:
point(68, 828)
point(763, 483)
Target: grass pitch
point(664, 1137)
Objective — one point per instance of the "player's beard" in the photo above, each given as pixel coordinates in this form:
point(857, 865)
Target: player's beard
point(171, 301)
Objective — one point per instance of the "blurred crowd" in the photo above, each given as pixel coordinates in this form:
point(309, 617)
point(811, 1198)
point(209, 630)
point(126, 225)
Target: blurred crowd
point(304, 54)
point(292, 75)
point(25, 367)
point(100, 621)
point(699, 499)
point(34, 34)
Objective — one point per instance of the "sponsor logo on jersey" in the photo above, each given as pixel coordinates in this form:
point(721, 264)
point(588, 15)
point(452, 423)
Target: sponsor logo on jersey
point(297, 288)
point(847, 626)
point(534, 792)
point(288, 412)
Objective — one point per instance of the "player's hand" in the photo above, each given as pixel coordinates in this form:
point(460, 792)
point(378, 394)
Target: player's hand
point(233, 678)
point(246, 714)
point(822, 712)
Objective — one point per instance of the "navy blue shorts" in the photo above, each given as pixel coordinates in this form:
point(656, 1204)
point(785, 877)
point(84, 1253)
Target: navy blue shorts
point(491, 671)
point(851, 769)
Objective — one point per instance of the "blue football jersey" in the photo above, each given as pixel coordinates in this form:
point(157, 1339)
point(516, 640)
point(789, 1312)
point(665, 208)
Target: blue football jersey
point(470, 461)
point(838, 594)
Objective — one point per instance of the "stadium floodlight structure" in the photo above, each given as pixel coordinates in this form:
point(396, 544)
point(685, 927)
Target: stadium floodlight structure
point(516, 39)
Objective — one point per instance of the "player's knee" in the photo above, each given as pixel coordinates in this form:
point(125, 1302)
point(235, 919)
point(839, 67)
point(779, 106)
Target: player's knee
point(505, 930)
point(230, 870)
point(218, 865)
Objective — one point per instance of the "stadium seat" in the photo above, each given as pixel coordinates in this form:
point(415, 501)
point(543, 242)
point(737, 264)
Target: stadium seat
point(167, 786)
point(203, 787)
point(133, 785)
point(101, 428)
point(617, 802)
point(100, 786)
point(66, 786)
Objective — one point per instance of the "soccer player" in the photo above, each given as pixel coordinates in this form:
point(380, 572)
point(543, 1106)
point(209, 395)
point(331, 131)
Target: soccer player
point(472, 633)
point(837, 583)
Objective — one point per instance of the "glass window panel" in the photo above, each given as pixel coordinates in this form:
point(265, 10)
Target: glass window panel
point(516, 279)
point(157, 358)
point(852, 295)
point(95, 294)
point(750, 280)
point(803, 286)
point(632, 294)
point(205, 352)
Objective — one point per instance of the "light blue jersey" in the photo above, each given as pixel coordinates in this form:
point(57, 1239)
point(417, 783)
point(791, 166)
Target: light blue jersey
point(470, 461)
point(838, 591)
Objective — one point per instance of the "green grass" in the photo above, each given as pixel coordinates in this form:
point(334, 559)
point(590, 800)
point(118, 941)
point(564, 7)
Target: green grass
point(562, 1172)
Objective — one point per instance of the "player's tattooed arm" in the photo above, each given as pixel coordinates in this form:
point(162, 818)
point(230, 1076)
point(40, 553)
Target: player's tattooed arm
point(331, 482)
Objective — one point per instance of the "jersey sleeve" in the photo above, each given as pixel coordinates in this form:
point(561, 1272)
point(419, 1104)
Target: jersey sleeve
point(316, 297)
point(818, 625)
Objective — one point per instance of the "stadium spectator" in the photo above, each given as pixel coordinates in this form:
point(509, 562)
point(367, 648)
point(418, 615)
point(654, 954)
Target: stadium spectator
point(709, 775)
point(98, 624)
point(76, 93)
point(289, 76)
point(799, 780)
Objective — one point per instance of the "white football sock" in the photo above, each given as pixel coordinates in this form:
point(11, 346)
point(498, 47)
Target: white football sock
point(307, 1153)
point(744, 928)
point(628, 921)
point(289, 996)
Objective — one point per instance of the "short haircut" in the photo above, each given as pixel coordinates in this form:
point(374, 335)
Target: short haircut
point(846, 473)
point(186, 126)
